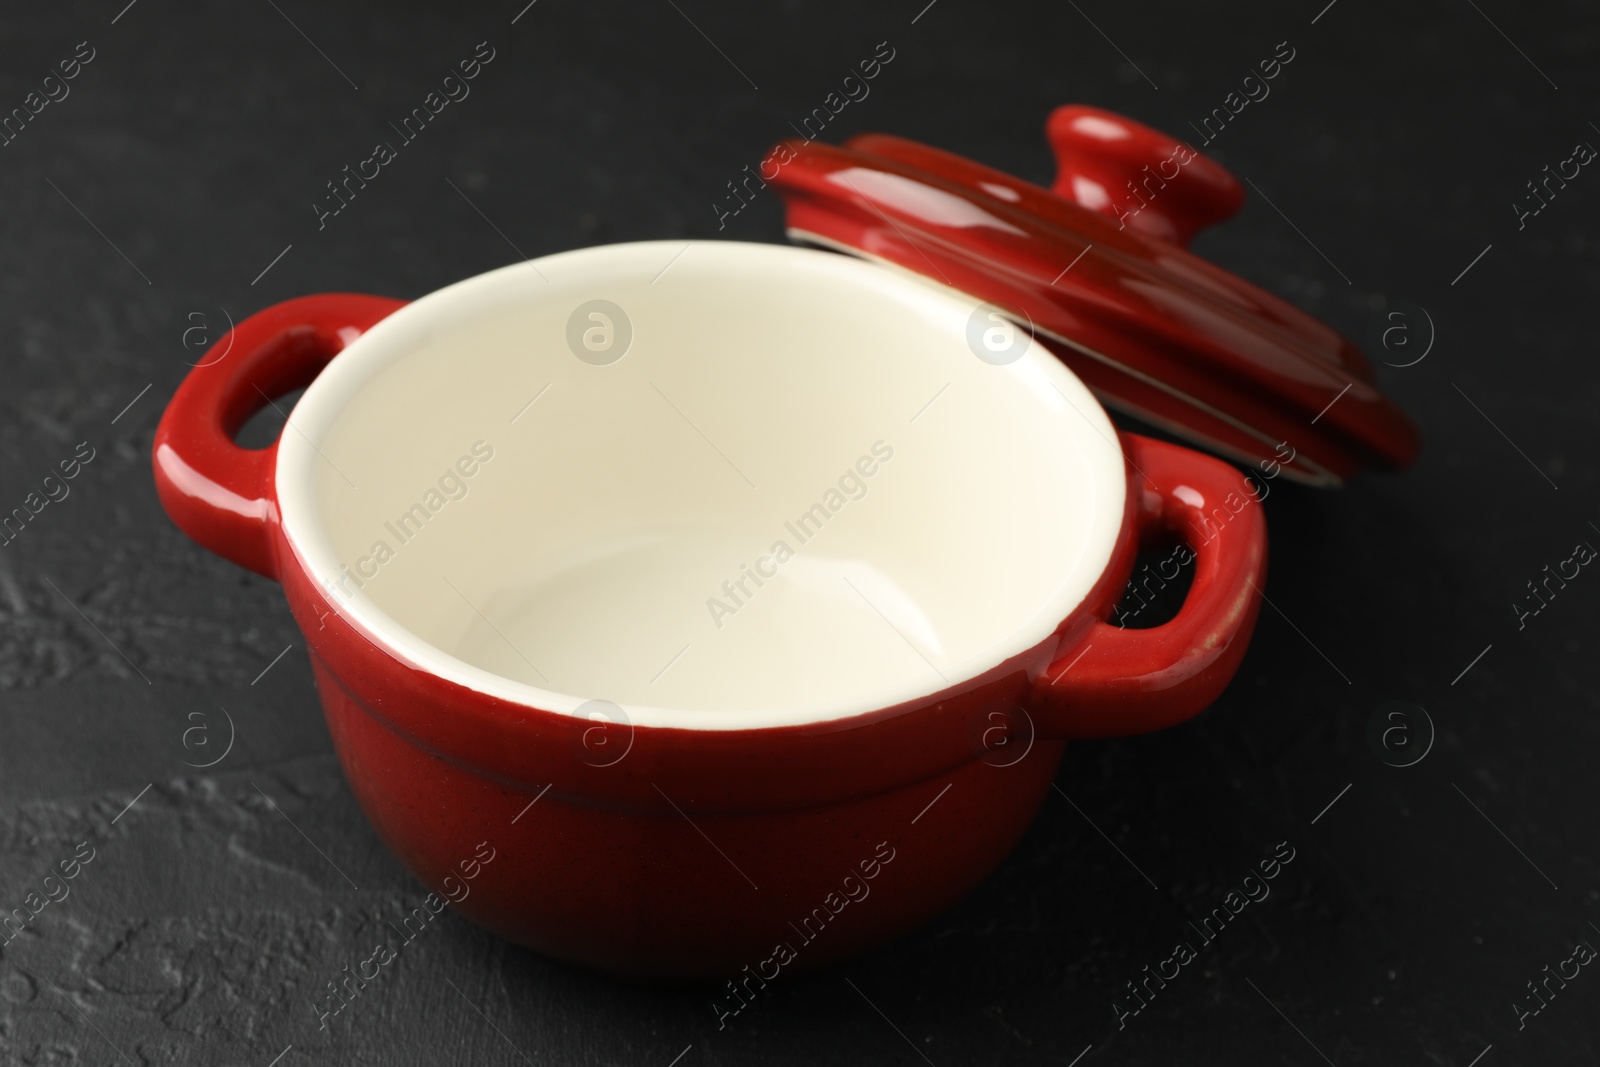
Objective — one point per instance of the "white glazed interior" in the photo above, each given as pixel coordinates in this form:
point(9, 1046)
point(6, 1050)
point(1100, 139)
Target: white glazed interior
point(578, 562)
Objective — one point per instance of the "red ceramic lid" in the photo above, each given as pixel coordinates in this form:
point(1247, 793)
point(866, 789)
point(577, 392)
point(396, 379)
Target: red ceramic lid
point(1098, 268)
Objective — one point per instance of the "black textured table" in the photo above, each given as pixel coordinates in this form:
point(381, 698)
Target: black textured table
point(179, 177)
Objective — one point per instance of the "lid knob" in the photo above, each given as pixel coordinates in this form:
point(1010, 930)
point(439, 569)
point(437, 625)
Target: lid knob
point(1141, 177)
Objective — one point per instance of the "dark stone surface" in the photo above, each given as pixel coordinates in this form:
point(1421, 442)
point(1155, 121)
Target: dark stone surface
point(1415, 909)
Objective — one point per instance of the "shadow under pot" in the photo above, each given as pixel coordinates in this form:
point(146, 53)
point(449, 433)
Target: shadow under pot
point(720, 593)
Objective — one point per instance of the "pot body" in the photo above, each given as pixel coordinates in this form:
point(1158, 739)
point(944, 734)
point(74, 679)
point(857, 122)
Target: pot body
point(666, 851)
point(690, 855)
point(676, 889)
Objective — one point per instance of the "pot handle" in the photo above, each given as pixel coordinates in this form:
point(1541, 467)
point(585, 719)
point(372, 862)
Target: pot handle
point(1117, 681)
point(215, 491)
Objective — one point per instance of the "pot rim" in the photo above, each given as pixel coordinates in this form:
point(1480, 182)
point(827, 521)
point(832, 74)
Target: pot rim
point(1037, 372)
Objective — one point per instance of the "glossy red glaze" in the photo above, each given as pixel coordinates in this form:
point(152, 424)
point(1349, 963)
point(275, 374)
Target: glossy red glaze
point(1153, 329)
point(695, 853)
point(1120, 681)
point(221, 494)
point(1108, 163)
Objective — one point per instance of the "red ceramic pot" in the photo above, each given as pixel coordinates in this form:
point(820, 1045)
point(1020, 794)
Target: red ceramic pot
point(740, 598)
